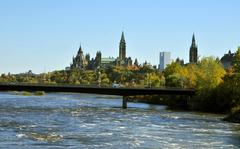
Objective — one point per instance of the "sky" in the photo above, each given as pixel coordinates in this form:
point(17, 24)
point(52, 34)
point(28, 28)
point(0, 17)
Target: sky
point(44, 35)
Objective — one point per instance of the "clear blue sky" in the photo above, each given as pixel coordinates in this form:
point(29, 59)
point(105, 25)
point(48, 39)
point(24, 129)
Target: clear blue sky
point(43, 35)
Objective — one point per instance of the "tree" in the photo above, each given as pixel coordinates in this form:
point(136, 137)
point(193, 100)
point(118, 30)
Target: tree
point(236, 61)
point(175, 80)
point(154, 80)
point(228, 91)
point(173, 76)
point(190, 75)
point(146, 68)
point(210, 73)
point(104, 79)
point(172, 68)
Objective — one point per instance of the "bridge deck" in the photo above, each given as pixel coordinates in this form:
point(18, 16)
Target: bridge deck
point(97, 90)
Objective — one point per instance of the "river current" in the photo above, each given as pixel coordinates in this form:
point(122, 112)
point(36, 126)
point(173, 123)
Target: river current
point(58, 120)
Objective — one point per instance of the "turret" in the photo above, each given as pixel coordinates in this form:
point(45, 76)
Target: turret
point(136, 62)
point(80, 50)
point(98, 58)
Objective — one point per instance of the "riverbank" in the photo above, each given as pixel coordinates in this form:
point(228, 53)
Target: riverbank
point(234, 116)
point(174, 102)
point(187, 104)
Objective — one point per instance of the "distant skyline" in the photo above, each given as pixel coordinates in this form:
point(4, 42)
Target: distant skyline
point(43, 35)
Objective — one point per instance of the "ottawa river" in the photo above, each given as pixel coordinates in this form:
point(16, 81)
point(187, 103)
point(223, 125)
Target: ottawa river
point(58, 120)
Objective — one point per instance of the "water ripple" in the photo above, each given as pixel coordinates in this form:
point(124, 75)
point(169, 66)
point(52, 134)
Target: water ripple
point(92, 121)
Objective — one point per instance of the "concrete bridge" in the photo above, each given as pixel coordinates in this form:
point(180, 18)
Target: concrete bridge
point(98, 90)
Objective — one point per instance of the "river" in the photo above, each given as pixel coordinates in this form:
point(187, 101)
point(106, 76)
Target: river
point(59, 120)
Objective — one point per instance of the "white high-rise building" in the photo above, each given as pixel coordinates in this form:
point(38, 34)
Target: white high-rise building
point(164, 60)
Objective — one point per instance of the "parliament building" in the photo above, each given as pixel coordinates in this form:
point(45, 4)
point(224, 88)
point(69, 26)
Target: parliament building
point(84, 62)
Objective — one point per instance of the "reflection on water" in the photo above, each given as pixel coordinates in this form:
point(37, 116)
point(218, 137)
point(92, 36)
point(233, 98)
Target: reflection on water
point(93, 121)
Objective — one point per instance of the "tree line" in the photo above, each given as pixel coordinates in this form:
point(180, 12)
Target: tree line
point(218, 89)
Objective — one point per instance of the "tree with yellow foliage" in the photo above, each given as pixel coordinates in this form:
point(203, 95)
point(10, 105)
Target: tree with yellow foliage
point(209, 73)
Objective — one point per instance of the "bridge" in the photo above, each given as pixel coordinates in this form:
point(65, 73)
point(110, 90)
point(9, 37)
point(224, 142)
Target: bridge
point(98, 90)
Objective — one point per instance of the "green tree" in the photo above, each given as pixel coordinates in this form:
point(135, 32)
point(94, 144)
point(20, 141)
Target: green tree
point(236, 61)
point(228, 92)
point(172, 68)
point(175, 80)
point(173, 76)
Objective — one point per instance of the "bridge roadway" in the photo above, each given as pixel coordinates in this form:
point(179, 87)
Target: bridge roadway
point(98, 90)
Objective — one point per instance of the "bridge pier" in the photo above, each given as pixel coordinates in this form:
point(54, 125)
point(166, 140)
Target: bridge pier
point(124, 102)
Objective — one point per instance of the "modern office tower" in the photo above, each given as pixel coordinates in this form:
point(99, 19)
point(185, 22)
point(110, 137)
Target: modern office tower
point(164, 60)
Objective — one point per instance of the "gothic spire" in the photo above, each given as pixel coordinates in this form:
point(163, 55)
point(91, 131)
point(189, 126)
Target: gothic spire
point(122, 38)
point(193, 41)
point(193, 53)
point(122, 48)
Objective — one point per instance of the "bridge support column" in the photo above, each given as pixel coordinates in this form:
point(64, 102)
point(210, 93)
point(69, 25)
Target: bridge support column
point(124, 102)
